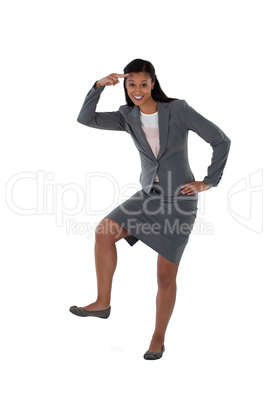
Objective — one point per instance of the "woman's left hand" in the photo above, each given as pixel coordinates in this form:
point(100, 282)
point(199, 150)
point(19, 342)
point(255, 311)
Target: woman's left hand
point(194, 187)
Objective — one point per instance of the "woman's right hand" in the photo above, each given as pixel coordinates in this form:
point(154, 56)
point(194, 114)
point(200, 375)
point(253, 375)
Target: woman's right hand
point(111, 79)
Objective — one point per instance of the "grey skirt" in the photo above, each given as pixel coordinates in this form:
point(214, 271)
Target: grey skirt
point(162, 223)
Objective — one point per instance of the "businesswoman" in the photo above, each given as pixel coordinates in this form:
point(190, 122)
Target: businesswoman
point(163, 212)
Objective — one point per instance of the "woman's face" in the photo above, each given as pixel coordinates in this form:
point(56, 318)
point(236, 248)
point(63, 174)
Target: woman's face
point(139, 87)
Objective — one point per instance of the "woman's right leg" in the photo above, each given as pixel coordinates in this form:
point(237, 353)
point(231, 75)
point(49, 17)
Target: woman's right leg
point(108, 232)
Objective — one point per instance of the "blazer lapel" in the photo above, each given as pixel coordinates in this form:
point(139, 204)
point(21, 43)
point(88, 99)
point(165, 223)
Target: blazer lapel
point(163, 122)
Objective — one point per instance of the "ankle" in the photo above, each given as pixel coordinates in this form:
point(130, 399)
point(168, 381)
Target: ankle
point(103, 303)
point(158, 338)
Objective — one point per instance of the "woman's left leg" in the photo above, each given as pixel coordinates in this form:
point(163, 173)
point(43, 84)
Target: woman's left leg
point(165, 300)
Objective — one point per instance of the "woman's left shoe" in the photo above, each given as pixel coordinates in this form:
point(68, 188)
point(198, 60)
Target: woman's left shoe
point(154, 356)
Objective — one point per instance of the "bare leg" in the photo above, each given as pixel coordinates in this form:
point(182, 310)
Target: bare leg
point(165, 300)
point(107, 234)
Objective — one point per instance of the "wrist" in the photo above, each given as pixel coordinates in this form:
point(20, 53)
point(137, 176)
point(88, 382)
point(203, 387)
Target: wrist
point(96, 85)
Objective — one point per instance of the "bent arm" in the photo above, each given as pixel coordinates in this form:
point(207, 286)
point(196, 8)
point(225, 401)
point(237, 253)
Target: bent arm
point(213, 135)
point(105, 120)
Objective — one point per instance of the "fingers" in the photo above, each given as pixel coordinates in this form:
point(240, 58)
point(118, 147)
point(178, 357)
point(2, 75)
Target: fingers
point(112, 79)
point(121, 75)
point(189, 189)
point(194, 187)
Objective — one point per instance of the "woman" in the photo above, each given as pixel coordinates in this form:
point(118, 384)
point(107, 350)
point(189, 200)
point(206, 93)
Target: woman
point(163, 212)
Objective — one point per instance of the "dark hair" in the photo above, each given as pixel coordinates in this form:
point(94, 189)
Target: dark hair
point(138, 66)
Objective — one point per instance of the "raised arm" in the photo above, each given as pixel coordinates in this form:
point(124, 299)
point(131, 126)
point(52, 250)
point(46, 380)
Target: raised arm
point(104, 120)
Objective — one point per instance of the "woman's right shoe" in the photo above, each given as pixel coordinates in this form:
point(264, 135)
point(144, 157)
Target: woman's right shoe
point(81, 312)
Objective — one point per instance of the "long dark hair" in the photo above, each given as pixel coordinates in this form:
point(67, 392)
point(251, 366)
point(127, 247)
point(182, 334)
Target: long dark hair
point(138, 66)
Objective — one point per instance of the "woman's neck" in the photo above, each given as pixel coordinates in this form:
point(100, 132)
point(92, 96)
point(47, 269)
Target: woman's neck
point(149, 108)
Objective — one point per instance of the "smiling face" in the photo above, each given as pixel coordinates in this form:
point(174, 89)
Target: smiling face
point(139, 87)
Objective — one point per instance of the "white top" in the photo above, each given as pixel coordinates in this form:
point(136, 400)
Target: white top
point(150, 127)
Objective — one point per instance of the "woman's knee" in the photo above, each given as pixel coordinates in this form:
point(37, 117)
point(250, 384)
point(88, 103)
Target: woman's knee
point(108, 231)
point(166, 272)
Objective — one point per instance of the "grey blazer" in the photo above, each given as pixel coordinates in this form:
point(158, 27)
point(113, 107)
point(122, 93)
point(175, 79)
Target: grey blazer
point(175, 119)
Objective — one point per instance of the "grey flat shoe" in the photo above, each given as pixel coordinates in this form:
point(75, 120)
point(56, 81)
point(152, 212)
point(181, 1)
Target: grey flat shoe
point(154, 356)
point(81, 312)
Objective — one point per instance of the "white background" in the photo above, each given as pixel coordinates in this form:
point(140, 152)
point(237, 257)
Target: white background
point(210, 53)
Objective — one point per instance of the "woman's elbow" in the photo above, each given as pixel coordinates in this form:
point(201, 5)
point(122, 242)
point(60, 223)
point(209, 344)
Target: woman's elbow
point(82, 120)
point(79, 119)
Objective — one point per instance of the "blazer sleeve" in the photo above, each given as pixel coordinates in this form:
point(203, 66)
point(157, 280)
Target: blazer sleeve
point(213, 135)
point(105, 120)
